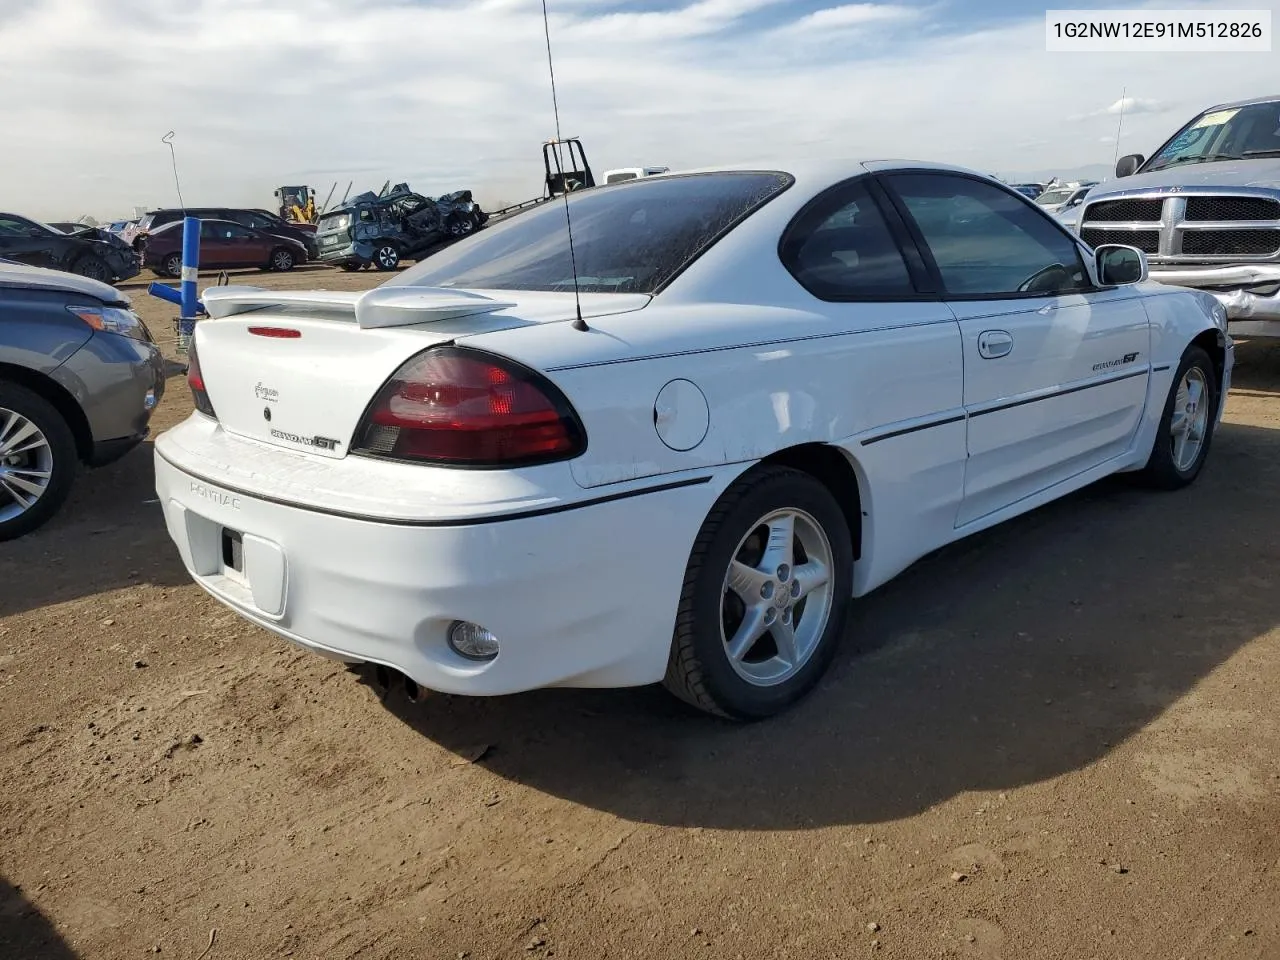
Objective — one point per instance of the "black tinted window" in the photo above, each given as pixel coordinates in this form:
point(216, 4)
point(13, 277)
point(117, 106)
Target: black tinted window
point(628, 238)
point(988, 242)
point(842, 249)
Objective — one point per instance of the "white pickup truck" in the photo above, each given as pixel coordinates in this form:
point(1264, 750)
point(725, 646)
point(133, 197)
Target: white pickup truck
point(1205, 208)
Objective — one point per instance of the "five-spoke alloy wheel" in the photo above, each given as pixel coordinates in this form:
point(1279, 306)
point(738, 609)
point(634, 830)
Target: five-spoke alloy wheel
point(1186, 426)
point(764, 597)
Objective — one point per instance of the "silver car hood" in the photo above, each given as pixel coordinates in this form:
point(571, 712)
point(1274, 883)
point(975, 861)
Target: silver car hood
point(38, 278)
point(1263, 172)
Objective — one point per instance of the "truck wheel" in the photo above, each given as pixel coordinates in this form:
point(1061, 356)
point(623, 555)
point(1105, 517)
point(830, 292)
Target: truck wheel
point(1186, 426)
point(37, 460)
point(764, 599)
point(386, 256)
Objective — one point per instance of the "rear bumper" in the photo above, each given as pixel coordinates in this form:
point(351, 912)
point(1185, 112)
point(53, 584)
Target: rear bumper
point(351, 254)
point(1249, 314)
point(577, 595)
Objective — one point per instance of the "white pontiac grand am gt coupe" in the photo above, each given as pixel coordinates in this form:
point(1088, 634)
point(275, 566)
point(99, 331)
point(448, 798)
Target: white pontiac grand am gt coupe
point(782, 389)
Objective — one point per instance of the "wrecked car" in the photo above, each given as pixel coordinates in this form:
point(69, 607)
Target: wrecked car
point(383, 229)
point(1205, 208)
point(83, 252)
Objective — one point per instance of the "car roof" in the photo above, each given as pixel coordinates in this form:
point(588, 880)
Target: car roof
point(1274, 98)
point(817, 174)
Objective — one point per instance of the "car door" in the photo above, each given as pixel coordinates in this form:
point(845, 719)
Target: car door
point(1056, 368)
point(900, 374)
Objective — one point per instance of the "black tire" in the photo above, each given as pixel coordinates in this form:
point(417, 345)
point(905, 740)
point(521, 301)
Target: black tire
point(171, 266)
point(699, 670)
point(461, 224)
point(282, 260)
point(1162, 470)
point(61, 447)
point(386, 256)
point(93, 267)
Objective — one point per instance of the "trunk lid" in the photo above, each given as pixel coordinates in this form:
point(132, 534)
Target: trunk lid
point(297, 369)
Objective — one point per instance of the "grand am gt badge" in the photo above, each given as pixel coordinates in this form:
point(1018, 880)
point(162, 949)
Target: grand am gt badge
point(320, 443)
point(1108, 364)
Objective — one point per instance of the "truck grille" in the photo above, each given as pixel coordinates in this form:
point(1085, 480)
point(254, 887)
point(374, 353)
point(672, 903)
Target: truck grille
point(1148, 241)
point(1169, 228)
point(1125, 211)
point(1209, 243)
point(1232, 208)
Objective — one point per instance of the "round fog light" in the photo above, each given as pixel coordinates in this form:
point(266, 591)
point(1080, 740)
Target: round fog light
point(472, 641)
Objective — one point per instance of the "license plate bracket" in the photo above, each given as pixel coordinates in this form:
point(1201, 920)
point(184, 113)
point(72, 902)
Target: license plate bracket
point(232, 552)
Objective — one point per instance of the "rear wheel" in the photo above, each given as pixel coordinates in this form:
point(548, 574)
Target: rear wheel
point(93, 267)
point(171, 266)
point(281, 259)
point(37, 460)
point(1186, 426)
point(386, 256)
point(764, 599)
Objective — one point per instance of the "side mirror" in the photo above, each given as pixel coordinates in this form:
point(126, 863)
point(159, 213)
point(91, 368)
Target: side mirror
point(1128, 165)
point(1119, 265)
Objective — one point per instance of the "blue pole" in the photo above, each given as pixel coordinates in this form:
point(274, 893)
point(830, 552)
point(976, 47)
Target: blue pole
point(190, 266)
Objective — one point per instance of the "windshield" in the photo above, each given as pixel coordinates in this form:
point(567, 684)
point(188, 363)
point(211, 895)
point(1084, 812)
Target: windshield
point(1053, 197)
point(1232, 134)
point(629, 238)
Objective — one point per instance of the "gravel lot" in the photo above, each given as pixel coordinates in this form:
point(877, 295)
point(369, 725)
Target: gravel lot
point(1060, 738)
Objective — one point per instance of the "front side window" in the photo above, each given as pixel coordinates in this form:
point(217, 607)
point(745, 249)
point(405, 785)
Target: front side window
point(842, 249)
point(14, 228)
point(627, 238)
point(987, 242)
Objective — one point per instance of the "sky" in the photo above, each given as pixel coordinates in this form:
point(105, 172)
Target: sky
point(452, 94)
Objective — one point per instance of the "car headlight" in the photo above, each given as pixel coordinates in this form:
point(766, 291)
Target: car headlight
point(119, 320)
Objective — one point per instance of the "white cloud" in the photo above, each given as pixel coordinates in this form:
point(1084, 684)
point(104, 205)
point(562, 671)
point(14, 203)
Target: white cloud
point(1131, 105)
point(454, 93)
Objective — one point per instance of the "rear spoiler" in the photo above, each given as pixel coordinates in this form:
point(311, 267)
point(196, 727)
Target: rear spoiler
point(380, 307)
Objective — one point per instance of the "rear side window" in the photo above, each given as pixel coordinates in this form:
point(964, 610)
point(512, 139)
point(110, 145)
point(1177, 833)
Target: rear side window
point(841, 249)
point(630, 238)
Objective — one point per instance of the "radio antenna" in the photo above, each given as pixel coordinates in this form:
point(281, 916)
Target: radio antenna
point(1120, 126)
point(167, 139)
point(578, 323)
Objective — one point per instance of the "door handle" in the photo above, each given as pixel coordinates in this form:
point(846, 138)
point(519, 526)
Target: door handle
point(994, 343)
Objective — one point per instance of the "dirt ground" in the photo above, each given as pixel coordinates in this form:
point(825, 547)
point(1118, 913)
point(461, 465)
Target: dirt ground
point(1060, 738)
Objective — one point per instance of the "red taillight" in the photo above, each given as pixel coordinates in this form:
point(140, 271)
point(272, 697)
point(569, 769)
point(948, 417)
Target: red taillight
point(195, 380)
point(451, 405)
point(281, 333)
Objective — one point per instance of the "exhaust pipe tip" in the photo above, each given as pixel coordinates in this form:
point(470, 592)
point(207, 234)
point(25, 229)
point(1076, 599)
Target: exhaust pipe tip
point(415, 693)
point(382, 678)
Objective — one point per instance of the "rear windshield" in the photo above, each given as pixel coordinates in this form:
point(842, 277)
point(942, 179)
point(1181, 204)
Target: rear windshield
point(632, 237)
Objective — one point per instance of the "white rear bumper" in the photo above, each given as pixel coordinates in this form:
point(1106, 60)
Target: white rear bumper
point(577, 595)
